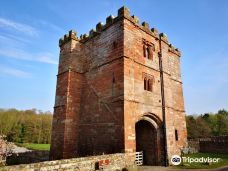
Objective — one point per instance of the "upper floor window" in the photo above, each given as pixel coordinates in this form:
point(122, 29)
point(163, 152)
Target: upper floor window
point(148, 50)
point(148, 82)
point(145, 84)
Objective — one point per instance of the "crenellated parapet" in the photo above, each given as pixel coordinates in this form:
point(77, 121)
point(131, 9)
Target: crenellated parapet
point(171, 48)
point(174, 50)
point(72, 35)
point(163, 37)
point(123, 12)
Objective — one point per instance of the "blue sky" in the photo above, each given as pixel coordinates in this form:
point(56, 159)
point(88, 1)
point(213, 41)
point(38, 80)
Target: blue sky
point(30, 30)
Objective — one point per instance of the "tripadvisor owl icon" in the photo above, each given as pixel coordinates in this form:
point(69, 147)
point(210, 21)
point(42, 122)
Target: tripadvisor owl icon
point(175, 160)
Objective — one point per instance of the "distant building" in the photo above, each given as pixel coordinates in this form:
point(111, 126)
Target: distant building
point(119, 89)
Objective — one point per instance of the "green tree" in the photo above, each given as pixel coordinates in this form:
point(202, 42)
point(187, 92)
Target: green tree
point(208, 124)
point(32, 126)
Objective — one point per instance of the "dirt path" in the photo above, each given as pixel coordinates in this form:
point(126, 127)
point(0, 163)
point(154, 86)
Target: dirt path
point(17, 149)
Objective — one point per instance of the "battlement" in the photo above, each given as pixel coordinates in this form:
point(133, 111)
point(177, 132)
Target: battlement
point(123, 12)
point(67, 37)
point(174, 50)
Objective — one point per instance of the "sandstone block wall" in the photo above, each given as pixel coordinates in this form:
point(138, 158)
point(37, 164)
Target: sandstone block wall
point(210, 145)
point(116, 162)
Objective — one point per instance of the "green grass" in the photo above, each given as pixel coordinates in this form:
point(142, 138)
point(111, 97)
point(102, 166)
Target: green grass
point(222, 162)
point(34, 146)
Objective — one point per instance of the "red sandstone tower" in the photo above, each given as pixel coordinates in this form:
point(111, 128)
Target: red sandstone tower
point(119, 90)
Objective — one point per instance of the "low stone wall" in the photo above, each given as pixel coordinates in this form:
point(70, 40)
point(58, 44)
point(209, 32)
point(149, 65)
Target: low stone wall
point(214, 144)
point(210, 144)
point(115, 162)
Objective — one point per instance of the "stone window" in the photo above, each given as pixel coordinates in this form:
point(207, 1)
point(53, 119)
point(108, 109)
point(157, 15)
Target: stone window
point(113, 78)
point(148, 50)
point(150, 56)
point(176, 135)
point(145, 84)
point(148, 82)
point(149, 87)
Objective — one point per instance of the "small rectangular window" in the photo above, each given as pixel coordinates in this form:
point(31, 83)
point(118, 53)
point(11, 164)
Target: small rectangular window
point(176, 135)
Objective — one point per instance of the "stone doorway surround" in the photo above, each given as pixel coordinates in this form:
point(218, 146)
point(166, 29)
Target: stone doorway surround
point(149, 139)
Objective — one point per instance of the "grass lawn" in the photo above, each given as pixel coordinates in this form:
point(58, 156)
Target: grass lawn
point(223, 161)
point(34, 146)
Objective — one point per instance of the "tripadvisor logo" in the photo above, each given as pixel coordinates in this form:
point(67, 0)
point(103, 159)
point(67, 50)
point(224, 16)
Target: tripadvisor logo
point(176, 160)
point(200, 160)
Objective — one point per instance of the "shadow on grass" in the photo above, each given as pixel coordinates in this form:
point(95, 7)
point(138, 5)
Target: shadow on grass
point(28, 157)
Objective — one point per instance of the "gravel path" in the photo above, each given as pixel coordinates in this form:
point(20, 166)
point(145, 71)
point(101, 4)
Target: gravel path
point(17, 149)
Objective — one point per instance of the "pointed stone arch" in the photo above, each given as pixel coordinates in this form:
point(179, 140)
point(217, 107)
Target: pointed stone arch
point(149, 138)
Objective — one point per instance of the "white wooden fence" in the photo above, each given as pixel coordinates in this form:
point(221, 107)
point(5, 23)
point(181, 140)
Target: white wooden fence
point(139, 158)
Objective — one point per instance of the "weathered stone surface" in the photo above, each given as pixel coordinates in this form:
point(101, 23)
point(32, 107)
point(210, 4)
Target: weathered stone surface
point(216, 144)
point(100, 92)
point(116, 161)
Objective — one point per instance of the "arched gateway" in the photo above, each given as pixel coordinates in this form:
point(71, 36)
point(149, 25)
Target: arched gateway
point(149, 139)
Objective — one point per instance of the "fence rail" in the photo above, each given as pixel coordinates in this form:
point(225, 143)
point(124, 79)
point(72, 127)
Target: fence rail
point(139, 158)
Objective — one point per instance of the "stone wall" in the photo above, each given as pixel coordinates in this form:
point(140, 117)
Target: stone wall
point(139, 103)
point(214, 144)
point(115, 162)
point(88, 115)
point(210, 145)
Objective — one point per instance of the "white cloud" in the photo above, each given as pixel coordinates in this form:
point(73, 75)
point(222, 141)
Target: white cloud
point(23, 55)
point(17, 45)
point(24, 28)
point(14, 72)
point(53, 27)
point(46, 58)
point(13, 46)
point(11, 39)
point(10, 42)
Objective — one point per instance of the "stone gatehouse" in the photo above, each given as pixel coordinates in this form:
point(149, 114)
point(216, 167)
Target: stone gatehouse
point(119, 89)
